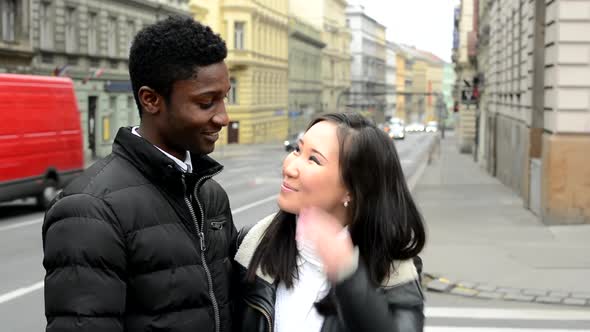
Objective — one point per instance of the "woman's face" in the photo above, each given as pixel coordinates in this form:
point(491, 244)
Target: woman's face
point(311, 173)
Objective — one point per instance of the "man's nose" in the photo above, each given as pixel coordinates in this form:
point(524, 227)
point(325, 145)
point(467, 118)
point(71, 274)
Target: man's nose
point(221, 118)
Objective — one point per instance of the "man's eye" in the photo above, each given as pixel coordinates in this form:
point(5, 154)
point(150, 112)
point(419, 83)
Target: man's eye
point(206, 106)
point(297, 149)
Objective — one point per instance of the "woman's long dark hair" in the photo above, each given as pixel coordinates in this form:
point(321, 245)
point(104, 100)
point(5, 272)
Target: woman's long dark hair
point(384, 222)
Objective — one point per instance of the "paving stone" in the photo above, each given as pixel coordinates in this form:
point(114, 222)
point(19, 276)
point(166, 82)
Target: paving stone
point(508, 290)
point(578, 295)
point(486, 288)
point(549, 299)
point(535, 292)
point(559, 294)
point(571, 301)
point(439, 286)
point(490, 295)
point(467, 284)
point(519, 297)
point(463, 291)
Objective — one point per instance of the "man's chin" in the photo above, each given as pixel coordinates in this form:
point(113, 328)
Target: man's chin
point(203, 149)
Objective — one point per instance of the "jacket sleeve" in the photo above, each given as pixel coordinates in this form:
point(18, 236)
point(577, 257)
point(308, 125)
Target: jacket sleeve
point(363, 308)
point(84, 259)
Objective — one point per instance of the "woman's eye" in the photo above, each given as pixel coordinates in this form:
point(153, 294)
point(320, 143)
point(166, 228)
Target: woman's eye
point(315, 160)
point(297, 149)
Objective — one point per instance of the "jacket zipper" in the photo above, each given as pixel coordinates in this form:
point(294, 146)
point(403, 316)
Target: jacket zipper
point(201, 235)
point(262, 311)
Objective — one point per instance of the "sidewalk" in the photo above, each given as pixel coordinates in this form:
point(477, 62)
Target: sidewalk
point(482, 239)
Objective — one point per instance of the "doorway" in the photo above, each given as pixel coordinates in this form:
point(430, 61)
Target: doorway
point(92, 126)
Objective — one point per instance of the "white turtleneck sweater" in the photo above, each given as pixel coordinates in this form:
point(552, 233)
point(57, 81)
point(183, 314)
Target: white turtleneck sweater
point(294, 308)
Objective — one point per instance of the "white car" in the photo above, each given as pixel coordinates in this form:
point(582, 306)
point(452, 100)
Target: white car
point(397, 132)
point(415, 127)
point(432, 127)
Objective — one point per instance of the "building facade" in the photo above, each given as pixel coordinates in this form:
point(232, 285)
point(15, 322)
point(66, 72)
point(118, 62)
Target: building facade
point(330, 17)
point(89, 42)
point(403, 78)
point(447, 92)
point(16, 49)
point(257, 36)
point(390, 80)
point(305, 74)
point(535, 103)
point(368, 51)
point(434, 84)
point(464, 53)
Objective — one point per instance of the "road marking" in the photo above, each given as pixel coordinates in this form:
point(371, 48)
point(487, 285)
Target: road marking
point(20, 292)
point(26, 290)
point(507, 314)
point(490, 329)
point(21, 224)
point(254, 204)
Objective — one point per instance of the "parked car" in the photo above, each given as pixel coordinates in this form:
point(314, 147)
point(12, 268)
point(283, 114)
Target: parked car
point(415, 127)
point(41, 146)
point(397, 131)
point(292, 142)
point(432, 127)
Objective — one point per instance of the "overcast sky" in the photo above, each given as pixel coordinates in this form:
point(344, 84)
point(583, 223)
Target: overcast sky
point(426, 24)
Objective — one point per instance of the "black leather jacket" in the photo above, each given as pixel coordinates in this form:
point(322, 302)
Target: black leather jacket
point(396, 306)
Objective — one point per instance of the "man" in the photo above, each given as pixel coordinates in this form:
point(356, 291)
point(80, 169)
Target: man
point(142, 240)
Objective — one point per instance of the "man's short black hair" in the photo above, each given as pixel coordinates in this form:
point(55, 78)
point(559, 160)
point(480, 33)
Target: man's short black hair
point(171, 50)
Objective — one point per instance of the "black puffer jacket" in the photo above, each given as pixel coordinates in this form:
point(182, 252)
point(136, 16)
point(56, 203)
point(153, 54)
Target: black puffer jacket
point(122, 250)
point(396, 306)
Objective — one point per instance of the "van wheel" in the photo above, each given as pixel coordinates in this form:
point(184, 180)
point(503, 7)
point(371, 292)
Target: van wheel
point(47, 194)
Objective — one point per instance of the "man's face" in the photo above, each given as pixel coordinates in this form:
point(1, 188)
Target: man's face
point(195, 113)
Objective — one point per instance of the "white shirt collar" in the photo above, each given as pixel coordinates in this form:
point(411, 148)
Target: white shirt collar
point(186, 166)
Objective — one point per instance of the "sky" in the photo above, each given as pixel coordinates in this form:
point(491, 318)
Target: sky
point(425, 24)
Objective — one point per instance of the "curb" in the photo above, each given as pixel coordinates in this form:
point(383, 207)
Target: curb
point(443, 285)
point(438, 284)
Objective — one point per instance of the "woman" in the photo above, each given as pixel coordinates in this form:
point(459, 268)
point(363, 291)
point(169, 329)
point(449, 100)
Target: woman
point(338, 256)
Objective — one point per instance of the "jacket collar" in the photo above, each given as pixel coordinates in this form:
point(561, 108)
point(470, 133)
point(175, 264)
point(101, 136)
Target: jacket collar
point(401, 271)
point(153, 163)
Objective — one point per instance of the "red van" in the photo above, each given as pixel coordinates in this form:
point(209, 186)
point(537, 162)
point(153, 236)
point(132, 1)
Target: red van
point(40, 137)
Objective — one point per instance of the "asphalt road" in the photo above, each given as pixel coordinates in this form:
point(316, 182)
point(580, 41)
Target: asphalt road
point(252, 181)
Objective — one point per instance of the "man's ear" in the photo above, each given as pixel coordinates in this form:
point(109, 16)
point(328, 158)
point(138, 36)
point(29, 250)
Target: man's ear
point(150, 100)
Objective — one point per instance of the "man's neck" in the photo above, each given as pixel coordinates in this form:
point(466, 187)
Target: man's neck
point(155, 140)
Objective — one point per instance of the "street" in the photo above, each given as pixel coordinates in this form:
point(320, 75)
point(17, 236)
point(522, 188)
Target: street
point(252, 181)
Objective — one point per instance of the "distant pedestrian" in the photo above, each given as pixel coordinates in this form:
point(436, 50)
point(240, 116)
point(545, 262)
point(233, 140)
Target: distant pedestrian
point(339, 255)
point(142, 241)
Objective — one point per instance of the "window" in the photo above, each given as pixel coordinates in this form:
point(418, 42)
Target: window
point(92, 33)
point(71, 30)
point(8, 8)
point(130, 34)
point(113, 103)
point(233, 91)
point(46, 25)
point(112, 37)
point(239, 35)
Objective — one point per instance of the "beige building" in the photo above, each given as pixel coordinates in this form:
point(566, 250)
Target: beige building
point(257, 37)
point(464, 52)
point(434, 87)
point(305, 74)
point(330, 17)
point(537, 103)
